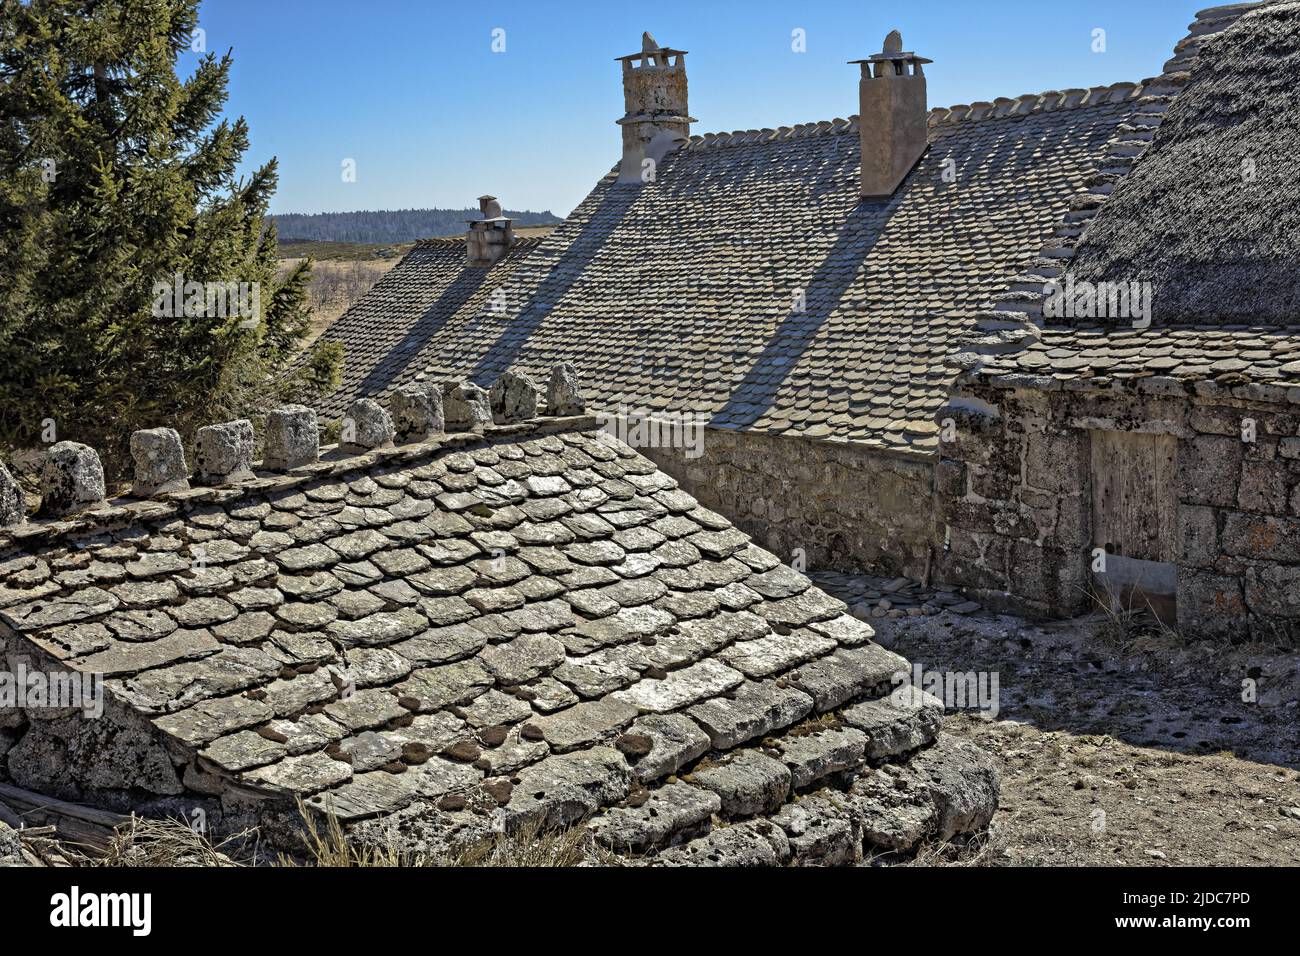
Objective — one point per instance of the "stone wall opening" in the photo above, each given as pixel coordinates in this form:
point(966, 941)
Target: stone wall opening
point(1200, 490)
point(1135, 521)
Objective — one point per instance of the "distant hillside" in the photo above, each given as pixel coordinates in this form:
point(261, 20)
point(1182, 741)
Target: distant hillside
point(392, 225)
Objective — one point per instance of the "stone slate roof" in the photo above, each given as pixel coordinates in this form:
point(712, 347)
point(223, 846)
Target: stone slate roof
point(535, 618)
point(1261, 363)
point(1211, 216)
point(678, 294)
point(385, 334)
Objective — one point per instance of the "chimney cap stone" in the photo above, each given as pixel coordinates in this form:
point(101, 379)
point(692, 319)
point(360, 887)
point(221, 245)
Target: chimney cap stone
point(891, 51)
point(650, 49)
point(490, 207)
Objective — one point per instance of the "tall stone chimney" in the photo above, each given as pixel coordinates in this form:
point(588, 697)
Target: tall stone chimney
point(891, 117)
point(489, 238)
point(656, 121)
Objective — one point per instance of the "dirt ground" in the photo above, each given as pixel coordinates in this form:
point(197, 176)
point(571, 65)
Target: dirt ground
point(1123, 754)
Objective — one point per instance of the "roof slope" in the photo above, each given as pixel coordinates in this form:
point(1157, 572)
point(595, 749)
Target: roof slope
point(1211, 216)
point(1258, 363)
point(385, 333)
point(537, 618)
point(680, 294)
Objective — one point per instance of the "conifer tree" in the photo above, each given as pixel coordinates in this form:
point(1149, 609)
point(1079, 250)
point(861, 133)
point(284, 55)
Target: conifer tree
point(118, 189)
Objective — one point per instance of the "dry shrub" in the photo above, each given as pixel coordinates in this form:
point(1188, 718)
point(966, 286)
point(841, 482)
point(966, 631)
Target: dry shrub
point(979, 849)
point(149, 842)
point(531, 846)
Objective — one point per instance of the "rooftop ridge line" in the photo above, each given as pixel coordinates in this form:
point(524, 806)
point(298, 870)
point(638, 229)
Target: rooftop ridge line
point(1026, 105)
point(423, 421)
point(125, 511)
point(458, 242)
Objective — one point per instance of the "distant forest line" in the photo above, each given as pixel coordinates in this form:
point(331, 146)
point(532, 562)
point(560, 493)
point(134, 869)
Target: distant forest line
point(391, 225)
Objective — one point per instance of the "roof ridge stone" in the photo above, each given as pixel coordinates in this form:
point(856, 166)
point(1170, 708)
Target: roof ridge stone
point(458, 242)
point(1026, 104)
point(73, 492)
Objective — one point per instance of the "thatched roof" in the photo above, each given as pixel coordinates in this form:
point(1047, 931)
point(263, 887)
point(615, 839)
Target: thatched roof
point(1211, 216)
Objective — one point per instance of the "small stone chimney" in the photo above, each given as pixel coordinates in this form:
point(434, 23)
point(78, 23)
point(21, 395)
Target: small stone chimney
point(656, 121)
point(891, 117)
point(489, 238)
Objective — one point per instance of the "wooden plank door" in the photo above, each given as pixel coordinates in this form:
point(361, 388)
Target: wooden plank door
point(1134, 516)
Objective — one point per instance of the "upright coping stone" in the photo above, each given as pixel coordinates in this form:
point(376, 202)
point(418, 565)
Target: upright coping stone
point(72, 479)
point(417, 411)
point(224, 453)
point(159, 462)
point(365, 426)
point(292, 439)
point(12, 506)
point(465, 407)
point(513, 398)
point(563, 394)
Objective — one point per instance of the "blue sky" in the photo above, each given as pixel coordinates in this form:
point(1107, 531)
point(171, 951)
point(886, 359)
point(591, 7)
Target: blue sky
point(412, 91)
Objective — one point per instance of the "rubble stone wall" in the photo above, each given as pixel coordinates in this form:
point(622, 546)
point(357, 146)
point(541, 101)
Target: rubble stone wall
point(1014, 502)
point(848, 507)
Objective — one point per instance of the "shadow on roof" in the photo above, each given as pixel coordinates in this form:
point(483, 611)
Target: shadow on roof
point(388, 370)
point(502, 353)
point(841, 267)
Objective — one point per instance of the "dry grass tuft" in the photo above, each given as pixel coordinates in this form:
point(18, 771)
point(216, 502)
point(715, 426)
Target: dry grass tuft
point(1132, 628)
point(149, 842)
point(331, 847)
point(534, 846)
point(980, 849)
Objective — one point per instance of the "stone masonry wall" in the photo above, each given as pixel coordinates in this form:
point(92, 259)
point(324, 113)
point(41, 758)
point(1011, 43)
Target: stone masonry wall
point(850, 508)
point(1014, 500)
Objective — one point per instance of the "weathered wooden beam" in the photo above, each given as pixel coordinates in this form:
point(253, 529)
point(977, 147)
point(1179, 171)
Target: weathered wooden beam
point(74, 823)
point(24, 800)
